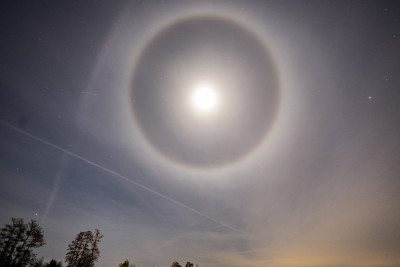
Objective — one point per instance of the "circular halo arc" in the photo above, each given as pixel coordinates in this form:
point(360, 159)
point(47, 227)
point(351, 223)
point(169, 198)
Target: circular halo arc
point(142, 52)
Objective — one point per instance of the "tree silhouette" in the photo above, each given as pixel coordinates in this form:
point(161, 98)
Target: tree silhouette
point(95, 252)
point(126, 264)
point(75, 250)
point(54, 263)
point(189, 264)
point(39, 263)
point(17, 241)
point(84, 250)
point(175, 264)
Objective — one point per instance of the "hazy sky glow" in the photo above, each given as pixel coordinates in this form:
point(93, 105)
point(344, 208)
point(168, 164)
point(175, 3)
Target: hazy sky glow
point(295, 163)
point(218, 49)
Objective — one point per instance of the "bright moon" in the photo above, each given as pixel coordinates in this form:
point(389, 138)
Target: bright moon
point(204, 98)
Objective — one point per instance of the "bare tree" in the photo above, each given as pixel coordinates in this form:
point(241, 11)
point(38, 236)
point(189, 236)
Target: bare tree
point(84, 250)
point(74, 250)
point(95, 252)
point(17, 241)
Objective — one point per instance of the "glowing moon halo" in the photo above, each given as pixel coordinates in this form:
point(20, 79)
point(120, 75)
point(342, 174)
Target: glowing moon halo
point(204, 98)
point(192, 46)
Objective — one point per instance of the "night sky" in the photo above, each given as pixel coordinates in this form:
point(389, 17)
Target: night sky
point(297, 162)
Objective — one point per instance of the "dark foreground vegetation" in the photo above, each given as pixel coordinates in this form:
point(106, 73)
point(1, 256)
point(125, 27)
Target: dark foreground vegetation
point(18, 240)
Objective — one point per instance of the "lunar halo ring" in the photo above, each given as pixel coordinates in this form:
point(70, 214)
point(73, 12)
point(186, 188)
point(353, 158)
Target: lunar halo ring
point(138, 121)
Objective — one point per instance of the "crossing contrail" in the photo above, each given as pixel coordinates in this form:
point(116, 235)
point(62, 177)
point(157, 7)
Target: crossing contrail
point(116, 174)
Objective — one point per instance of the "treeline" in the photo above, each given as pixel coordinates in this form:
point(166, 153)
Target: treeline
point(17, 241)
point(188, 264)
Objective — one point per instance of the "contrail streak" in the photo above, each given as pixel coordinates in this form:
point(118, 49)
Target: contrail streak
point(88, 93)
point(107, 170)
